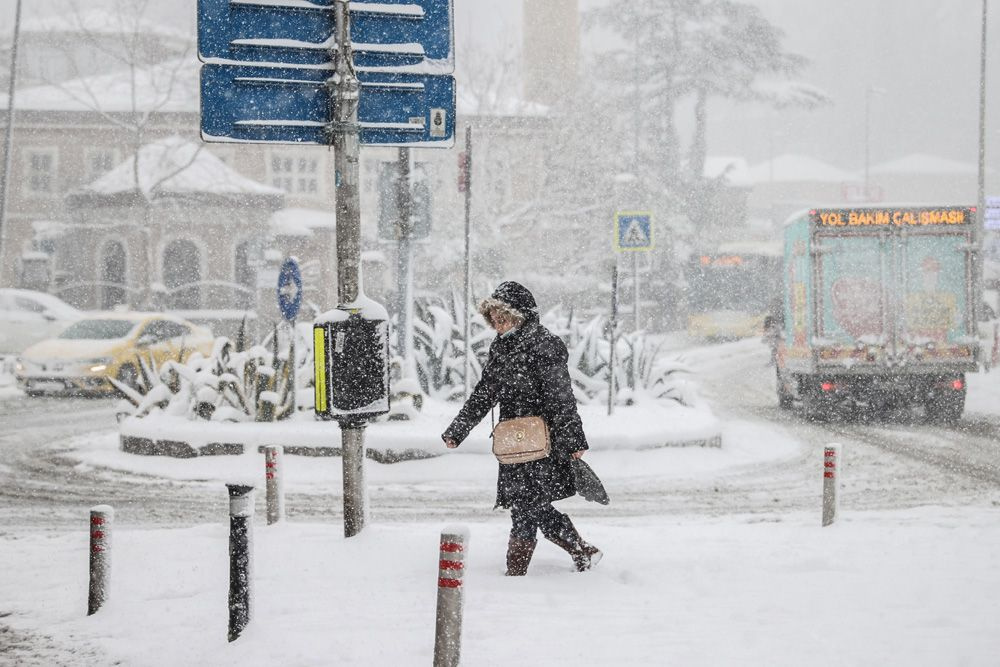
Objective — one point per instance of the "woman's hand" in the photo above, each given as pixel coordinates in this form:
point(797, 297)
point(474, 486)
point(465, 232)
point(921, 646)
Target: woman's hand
point(450, 443)
point(579, 454)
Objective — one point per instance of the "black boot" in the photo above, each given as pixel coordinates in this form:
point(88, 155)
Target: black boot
point(519, 556)
point(585, 556)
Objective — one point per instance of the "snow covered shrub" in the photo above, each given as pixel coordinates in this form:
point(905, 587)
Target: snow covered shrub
point(231, 384)
point(640, 370)
point(439, 348)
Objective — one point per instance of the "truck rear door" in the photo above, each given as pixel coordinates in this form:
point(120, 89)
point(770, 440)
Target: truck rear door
point(853, 290)
point(934, 321)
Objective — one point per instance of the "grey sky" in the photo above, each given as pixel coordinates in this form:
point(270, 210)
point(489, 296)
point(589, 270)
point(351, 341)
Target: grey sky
point(923, 53)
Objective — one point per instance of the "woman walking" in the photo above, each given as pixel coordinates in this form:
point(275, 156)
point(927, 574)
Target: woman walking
point(527, 374)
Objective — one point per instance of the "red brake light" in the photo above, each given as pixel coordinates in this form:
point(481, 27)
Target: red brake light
point(956, 384)
point(828, 386)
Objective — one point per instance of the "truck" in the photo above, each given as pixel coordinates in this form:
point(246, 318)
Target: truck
point(877, 310)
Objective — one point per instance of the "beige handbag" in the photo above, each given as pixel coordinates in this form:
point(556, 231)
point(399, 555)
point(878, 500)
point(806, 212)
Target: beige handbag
point(521, 440)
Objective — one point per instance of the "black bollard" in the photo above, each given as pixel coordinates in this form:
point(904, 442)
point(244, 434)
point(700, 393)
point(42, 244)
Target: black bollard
point(240, 557)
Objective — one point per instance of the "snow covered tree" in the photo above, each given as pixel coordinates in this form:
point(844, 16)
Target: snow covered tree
point(680, 52)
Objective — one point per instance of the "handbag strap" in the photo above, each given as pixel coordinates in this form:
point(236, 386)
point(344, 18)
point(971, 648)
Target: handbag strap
point(493, 425)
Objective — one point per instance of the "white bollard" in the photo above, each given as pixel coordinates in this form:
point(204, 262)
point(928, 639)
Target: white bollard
point(451, 570)
point(832, 457)
point(101, 518)
point(274, 475)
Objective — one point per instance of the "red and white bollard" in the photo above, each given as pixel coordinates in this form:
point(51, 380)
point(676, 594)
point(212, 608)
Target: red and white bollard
point(832, 456)
point(274, 483)
point(451, 570)
point(101, 518)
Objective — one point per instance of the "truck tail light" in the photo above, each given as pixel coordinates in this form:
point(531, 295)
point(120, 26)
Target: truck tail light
point(828, 386)
point(957, 385)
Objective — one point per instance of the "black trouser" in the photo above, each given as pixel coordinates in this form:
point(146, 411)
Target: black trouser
point(525, 521)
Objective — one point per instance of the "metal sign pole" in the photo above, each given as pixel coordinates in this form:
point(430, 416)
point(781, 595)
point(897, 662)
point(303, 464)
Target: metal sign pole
point(466, 317)
point(614, 327)
point(346, 150)
point(404, 259)
point(7, 138)
point(979, 229)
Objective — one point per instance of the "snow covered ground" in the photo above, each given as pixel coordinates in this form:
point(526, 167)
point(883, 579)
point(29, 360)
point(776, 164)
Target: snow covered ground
point(909, 587)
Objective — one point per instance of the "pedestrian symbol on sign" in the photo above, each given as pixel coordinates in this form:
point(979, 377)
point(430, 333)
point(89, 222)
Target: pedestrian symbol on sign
point(633, 231)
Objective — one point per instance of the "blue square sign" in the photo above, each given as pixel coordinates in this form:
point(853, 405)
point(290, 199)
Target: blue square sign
point(633, 231)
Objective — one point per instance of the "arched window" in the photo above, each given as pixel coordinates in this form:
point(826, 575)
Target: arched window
point(112, 275)
point(244, 276)
point(181, 275)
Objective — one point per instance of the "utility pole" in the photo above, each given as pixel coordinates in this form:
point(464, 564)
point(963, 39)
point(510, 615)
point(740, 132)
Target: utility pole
point(346, 152)
point(466, 166)
point(8, 135)
point(404, 259)
point(611, 337)
point(979, 229)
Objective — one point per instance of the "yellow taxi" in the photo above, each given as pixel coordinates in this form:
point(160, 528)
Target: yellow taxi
point(105, 345)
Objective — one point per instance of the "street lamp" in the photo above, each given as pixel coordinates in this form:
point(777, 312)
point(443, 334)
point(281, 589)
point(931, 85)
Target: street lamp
point(869, 91)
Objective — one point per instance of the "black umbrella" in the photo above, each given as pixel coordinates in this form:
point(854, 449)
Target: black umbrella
point(588, 484)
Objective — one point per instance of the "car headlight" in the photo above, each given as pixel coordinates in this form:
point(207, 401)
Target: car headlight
point(97, 365)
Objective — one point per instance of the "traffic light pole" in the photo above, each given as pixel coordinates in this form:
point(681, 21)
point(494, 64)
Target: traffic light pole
point(345, 136)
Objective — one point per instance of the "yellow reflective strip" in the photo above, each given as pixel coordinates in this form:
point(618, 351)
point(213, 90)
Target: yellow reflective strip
point(319, 365)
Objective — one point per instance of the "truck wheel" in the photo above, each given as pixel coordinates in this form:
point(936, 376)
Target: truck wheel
point(813, 408)
point(785, 399)
point(945, 409)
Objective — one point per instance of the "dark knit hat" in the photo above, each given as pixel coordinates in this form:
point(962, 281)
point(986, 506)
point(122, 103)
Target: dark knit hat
point(516, 296)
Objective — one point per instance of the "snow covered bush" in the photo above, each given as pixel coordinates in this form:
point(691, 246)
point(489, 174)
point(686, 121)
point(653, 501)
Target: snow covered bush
point(439, 347)
point(231, 384)
point(640, 369)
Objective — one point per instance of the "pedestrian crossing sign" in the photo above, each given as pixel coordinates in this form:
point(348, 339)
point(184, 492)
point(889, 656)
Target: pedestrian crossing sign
point(633, 231)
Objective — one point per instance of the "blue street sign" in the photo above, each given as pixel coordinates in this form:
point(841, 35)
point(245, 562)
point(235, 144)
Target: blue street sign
point(416, 34)
point(266, 104)
point(289, 289)
point(633, 231)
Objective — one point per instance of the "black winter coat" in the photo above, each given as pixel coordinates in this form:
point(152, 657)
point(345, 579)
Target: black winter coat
point(527, 373)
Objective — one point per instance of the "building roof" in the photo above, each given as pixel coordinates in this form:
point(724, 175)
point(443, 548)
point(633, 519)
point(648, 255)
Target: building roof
point(922, 163)
point(301, 221)
point(733, 169)
point(790, 168)
point(171, 86)
point(175, 166)
point(99, 22)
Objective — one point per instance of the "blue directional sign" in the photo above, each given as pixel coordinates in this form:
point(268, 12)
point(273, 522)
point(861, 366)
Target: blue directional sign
point(289, 289)
point(633, 231)
point(415, 33)
point(250, 103)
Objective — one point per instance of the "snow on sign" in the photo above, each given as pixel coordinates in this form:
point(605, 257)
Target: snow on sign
point(633, 231)
point(415, 35)
point(268, 64)
point(250, 103)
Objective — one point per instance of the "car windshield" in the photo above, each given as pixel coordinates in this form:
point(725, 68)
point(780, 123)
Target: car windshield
point(98, 330)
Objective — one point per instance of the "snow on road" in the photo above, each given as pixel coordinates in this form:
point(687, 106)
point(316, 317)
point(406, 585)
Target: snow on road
point(714, 556)
point(913, 587)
